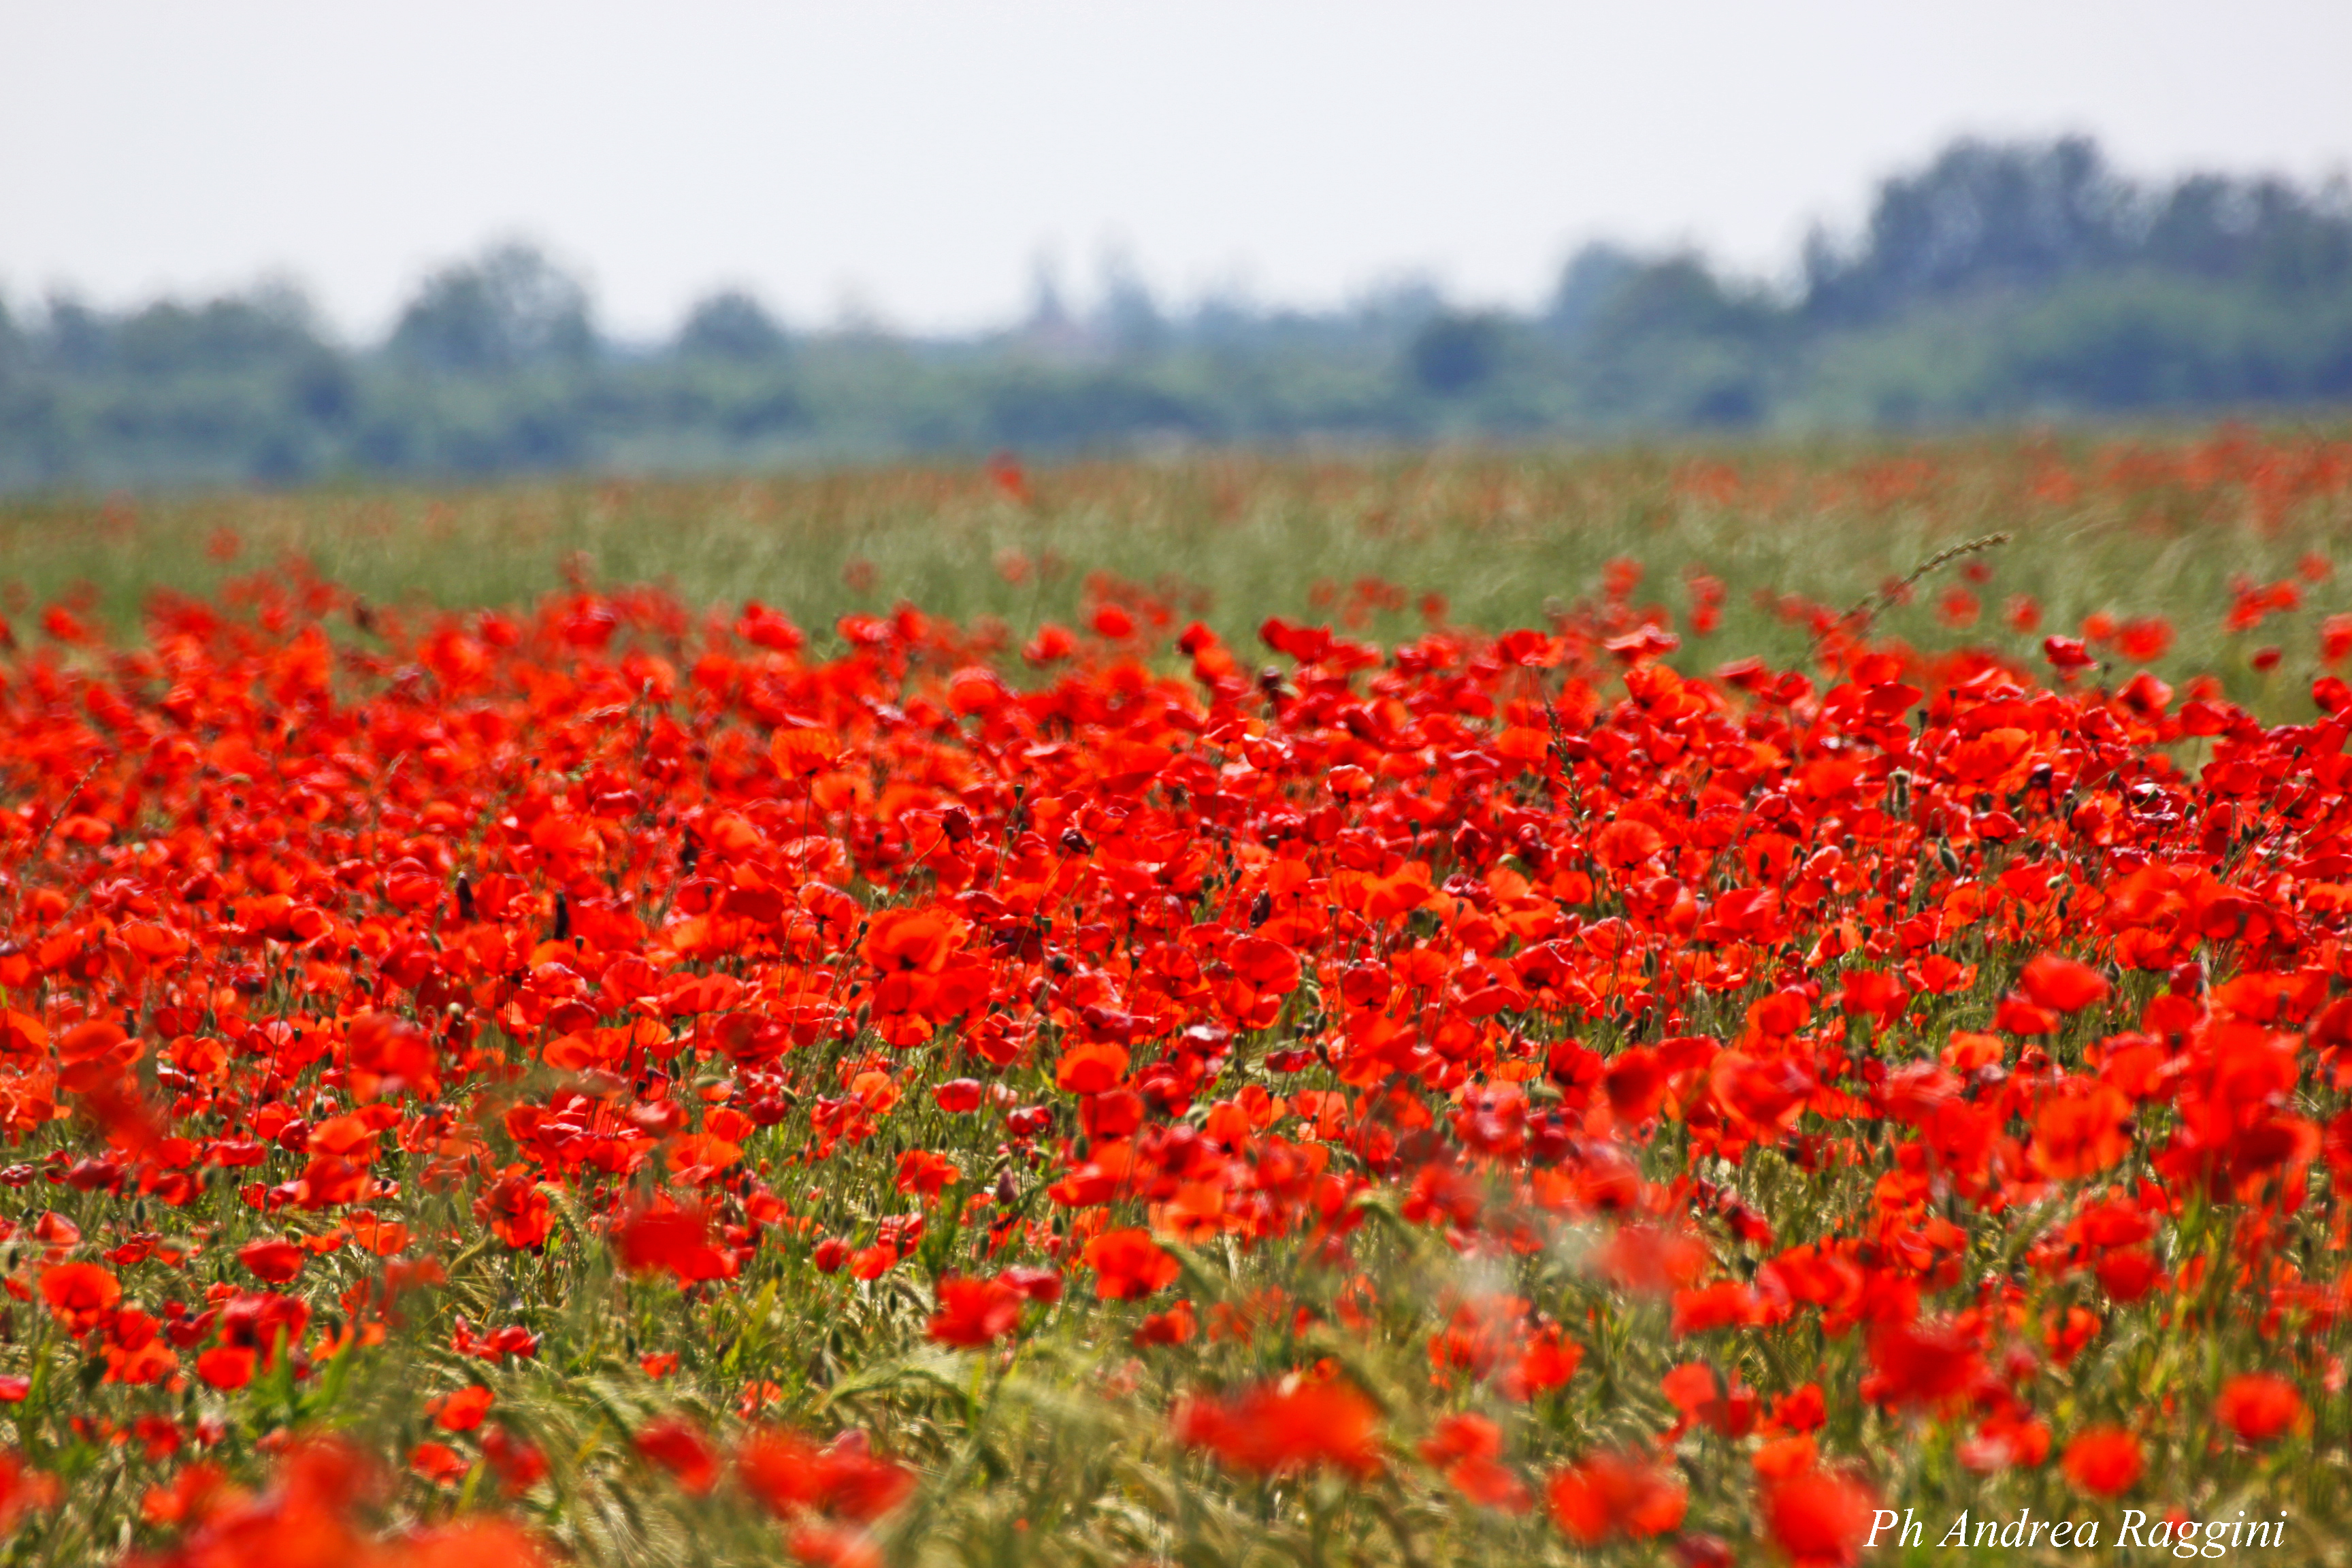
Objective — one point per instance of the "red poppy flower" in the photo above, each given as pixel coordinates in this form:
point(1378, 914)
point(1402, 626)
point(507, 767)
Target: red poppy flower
point(2259, 1407)
point(273, 1261)
point(677, 1445)
point(857, 1484)
point(462, 1411)
point(2066, 653)
point(439, 1463)
point(678, 1240)
point(518, 1212)
point(1034, 1284)
point(227, 1366)
point(2081, 1130)
point(2063, 983)
point(80, 1293)
point(2129, 1274)
point(1607, 1495)
point(1293, 1425)
point(958, 1096)
point(1922, 1364)
point(780, 1468)
point(2105, 1461)
point(1819, 1518)
point(1176, 1326)
point(1091, 1067)
point(1468, 1449)
point(974, 1313)
point(1129, 1264)
point(904, 941)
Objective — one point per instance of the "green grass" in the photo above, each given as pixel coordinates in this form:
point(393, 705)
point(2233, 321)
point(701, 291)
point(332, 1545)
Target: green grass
point(1505, 537)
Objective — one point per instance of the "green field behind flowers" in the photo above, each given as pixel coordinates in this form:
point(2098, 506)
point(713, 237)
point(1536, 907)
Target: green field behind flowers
point(2158, 526)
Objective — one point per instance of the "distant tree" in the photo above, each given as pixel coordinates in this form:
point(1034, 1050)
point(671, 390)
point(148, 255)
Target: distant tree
point(1458, 351)
point(1227, 319)
point(1992, 281)
point(2021, 218)
point(1049, 314)
point(1591, 276)
point(1981, 215)
point(273, 325)
point(321, 387)
point(1127, 317)
point(1677, 297)
point(732, 326)
point(74, 337)
point(1400, 306)
point(2263, 231)
point(765, 411)
point(509, 309)
point(1053, 408)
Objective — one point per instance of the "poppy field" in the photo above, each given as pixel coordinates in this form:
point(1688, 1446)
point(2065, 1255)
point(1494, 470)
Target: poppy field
point(1822, 994)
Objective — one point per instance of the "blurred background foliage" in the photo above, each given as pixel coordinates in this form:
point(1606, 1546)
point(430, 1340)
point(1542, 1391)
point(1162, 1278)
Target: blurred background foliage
point(1998, 283)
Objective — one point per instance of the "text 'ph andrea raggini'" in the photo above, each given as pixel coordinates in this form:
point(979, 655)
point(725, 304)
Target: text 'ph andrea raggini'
point(2180, 1536)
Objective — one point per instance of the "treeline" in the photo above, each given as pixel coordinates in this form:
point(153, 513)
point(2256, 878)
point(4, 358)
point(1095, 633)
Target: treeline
point(1998, 282)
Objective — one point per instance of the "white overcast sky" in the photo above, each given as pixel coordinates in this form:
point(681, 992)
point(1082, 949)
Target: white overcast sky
point(915, 160)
